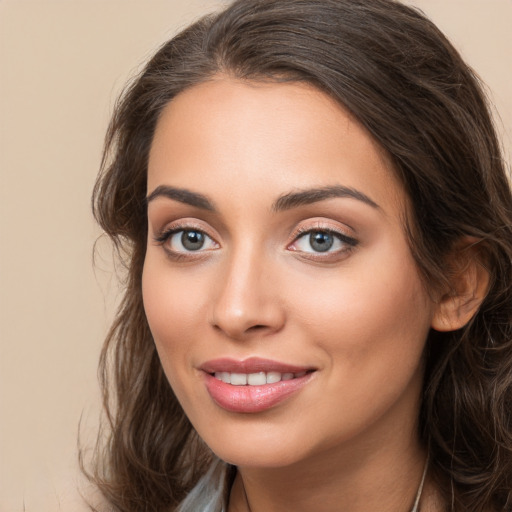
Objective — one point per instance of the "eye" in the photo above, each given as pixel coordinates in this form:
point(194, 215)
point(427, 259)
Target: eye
point(323, 241)
point(182, 241)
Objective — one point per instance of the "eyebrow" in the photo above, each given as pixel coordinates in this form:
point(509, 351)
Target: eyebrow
point(183, 196)
point(314, 195)
point(284, 202)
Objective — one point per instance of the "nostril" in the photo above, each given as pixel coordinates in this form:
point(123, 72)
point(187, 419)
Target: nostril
point(256, 328)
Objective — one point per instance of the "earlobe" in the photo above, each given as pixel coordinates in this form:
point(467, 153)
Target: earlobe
point(469, 281)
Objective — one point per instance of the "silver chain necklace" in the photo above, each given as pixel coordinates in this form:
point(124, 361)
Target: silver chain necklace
point(420, 488)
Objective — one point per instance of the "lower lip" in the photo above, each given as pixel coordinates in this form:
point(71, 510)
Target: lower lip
point(251, 399)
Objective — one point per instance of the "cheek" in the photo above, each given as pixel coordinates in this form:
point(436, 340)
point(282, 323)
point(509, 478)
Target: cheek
point(371, 328)
point(171, 302)
point(372, 313)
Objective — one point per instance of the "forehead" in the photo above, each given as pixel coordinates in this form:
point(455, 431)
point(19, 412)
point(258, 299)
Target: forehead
point(231, 134)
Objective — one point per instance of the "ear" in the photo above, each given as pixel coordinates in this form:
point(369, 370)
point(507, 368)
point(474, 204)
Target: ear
point(469, 281)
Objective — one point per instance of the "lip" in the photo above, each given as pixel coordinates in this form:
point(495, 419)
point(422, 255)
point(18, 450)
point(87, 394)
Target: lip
point(251, 365)
point(252, 399)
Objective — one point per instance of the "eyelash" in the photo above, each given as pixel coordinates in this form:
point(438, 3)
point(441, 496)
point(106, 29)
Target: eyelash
point(165, 235)
point(348, 242)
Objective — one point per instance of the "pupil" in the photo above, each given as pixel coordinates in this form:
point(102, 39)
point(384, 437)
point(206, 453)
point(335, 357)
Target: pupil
point(192, 240)
point(321, 242)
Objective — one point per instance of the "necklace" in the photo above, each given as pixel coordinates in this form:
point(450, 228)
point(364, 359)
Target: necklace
point(420, 488)
point(417, 499)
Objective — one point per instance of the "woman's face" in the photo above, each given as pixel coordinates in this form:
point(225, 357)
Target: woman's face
point(284, 302)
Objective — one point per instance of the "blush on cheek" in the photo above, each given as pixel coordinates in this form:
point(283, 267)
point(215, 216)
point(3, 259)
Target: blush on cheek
point(172, 311)
point(370, 318)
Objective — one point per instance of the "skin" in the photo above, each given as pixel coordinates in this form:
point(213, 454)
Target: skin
point(358, 314)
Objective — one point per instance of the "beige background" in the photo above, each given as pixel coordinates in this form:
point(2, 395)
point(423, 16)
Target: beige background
point(62, 64)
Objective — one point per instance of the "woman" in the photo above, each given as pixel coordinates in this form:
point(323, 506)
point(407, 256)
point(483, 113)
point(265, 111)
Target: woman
point(317, 227)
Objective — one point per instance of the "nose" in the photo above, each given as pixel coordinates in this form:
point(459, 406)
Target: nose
point(246, 298)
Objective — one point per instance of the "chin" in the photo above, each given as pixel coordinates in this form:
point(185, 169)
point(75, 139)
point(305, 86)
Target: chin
point(257, 458)
point(264, 448)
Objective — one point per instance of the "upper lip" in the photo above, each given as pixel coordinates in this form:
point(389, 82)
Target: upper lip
point(250, 365)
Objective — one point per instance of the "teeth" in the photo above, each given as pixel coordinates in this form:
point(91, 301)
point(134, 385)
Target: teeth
point(239, 379)
point(224, 377)
point(256, 379)
point(273, 377)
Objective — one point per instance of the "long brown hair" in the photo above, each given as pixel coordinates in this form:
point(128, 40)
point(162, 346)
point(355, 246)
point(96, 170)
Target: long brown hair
point(400, 77)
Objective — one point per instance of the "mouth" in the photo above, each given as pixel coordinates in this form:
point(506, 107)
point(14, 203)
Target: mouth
point(253, 385)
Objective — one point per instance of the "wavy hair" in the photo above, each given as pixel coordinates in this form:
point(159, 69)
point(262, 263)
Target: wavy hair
point(400, 77)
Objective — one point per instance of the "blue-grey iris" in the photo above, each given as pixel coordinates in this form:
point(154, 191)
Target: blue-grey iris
point(192, 240)
point(321, 241)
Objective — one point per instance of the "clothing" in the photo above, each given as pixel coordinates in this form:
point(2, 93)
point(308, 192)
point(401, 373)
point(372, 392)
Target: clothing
point(210, 493)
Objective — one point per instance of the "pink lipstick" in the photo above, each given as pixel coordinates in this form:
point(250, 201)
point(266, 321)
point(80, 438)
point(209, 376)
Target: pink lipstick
point(253, 385)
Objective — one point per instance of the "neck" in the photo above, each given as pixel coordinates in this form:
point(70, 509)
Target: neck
point(358, 479)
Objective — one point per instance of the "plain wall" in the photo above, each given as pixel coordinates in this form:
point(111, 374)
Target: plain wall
point(62, 64)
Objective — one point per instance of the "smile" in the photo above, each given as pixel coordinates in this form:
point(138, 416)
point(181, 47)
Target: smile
point(256, 379)
point(253, 385)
